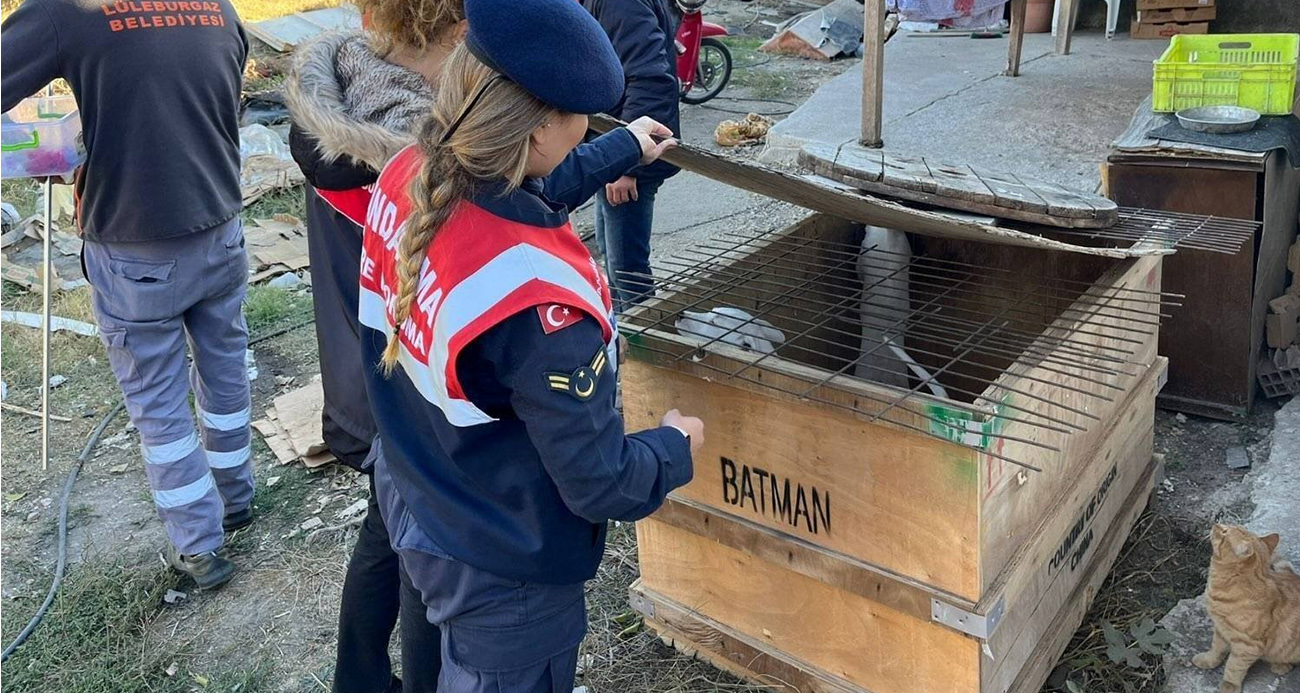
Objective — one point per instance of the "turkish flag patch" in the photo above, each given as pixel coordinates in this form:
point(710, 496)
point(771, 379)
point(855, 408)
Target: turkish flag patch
point(556, 317)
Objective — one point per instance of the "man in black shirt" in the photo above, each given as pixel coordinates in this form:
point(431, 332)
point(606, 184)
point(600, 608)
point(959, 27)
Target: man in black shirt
point(158, 84)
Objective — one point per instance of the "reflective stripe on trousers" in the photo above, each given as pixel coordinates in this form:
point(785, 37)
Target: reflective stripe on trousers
point(151, 300)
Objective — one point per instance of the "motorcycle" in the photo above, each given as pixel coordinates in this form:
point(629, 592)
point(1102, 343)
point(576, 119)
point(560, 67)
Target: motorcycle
point(703, 61)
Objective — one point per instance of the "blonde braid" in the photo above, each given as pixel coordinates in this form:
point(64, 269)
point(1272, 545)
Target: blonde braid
point(490, 143)
point(434, 203)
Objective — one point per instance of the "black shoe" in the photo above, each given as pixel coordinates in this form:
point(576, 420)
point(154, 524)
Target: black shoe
point(237, 520)
point(208, 570)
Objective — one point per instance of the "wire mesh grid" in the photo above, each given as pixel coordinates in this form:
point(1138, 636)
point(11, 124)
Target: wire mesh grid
point(845, 310)
point(1173, 230)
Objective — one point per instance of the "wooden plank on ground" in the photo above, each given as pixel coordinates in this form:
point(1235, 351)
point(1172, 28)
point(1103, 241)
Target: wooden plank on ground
point(958, 186)
point(824, 195)
point(1011, 192)
point(960, 182)
point(908, 173)
point(861, 164)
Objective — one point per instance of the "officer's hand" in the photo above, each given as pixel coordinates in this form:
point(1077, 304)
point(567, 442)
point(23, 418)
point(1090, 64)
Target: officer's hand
point(693, 427)
point(646, 129)
point(622, 349)
point(621, 190)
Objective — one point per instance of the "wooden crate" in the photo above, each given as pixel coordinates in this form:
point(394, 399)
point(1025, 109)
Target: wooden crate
point(837, 553)
point(1144, 30)
point(1176, 14)
point(1144, 5)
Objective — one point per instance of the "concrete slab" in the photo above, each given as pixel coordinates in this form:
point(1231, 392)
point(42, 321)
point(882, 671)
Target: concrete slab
point(1276, 494)
point(946, 98)
point(690, 209)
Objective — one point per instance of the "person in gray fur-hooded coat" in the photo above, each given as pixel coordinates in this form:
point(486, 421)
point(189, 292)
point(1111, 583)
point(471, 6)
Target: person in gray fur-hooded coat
point(352, 111)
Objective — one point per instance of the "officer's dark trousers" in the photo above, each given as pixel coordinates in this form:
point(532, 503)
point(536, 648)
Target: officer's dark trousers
point(498, 635)
point(372, 605)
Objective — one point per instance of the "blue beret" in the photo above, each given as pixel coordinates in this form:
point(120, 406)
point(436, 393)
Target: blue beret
point(554, 49)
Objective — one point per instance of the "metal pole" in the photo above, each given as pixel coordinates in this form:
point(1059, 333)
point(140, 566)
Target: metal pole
point(873, 65)
point(47, 289)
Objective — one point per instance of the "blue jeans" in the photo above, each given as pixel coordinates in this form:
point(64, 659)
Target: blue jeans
point(623, 234)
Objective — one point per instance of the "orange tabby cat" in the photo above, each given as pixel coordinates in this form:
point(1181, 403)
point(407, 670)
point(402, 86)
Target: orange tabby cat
point(1255, 607)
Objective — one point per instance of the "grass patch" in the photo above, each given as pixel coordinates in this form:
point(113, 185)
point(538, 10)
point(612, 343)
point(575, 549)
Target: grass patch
point(257, 10)
point(23, 193)
point(763, 84)
point(78, 357)
point(286, 502)
point(284, 201)
point(742, 43)
point(268, 308)
point(95, 638)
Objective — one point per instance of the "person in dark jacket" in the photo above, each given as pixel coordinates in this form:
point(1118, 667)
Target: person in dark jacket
point(643, 33)
point(491, 351)
point(355, 98)
point(158, 89)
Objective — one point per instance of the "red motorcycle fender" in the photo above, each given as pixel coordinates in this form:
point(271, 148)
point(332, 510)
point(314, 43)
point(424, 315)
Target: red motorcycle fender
point(711, 29)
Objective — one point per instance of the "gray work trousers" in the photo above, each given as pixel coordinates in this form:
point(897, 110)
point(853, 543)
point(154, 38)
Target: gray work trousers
point(150, 300)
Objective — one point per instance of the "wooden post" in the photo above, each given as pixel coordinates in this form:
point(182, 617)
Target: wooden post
point(1017, 37)
point(873, 67)
point(1065, 25)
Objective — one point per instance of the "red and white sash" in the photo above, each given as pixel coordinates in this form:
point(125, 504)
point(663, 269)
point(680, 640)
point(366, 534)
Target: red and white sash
point(479, 270)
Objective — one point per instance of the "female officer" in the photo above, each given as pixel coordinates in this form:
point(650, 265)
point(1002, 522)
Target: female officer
point(500, 454)
point(356, 98)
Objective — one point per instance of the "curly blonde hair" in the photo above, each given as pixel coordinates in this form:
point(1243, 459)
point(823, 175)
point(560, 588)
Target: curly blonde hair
point(415, 23)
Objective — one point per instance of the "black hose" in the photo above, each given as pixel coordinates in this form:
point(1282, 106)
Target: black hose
point(63, 530)
point(91, 442)
point(735, 99)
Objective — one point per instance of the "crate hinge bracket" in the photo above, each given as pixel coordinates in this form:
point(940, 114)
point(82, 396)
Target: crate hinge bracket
point(979, 625)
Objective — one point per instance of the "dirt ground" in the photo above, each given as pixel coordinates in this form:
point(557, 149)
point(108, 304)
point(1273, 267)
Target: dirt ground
point(116, 625)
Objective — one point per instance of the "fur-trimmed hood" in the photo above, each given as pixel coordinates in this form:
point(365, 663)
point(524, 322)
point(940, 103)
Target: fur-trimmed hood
point(352, 102)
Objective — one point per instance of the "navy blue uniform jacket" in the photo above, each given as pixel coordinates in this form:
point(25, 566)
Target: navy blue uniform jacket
point(335, 250)
point(526, 496)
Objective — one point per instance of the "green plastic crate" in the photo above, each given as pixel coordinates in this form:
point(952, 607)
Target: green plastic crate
point(1255, 71)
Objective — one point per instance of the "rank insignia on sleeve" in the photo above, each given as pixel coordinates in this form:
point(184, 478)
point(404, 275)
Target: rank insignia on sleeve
point(581, 383)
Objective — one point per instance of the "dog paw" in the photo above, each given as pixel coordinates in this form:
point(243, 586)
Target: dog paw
point(1205, 660)
point(1280, 669)
point(1229, 688)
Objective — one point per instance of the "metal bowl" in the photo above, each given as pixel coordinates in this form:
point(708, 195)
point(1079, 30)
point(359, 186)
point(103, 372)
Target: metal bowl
point(1218, 119)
